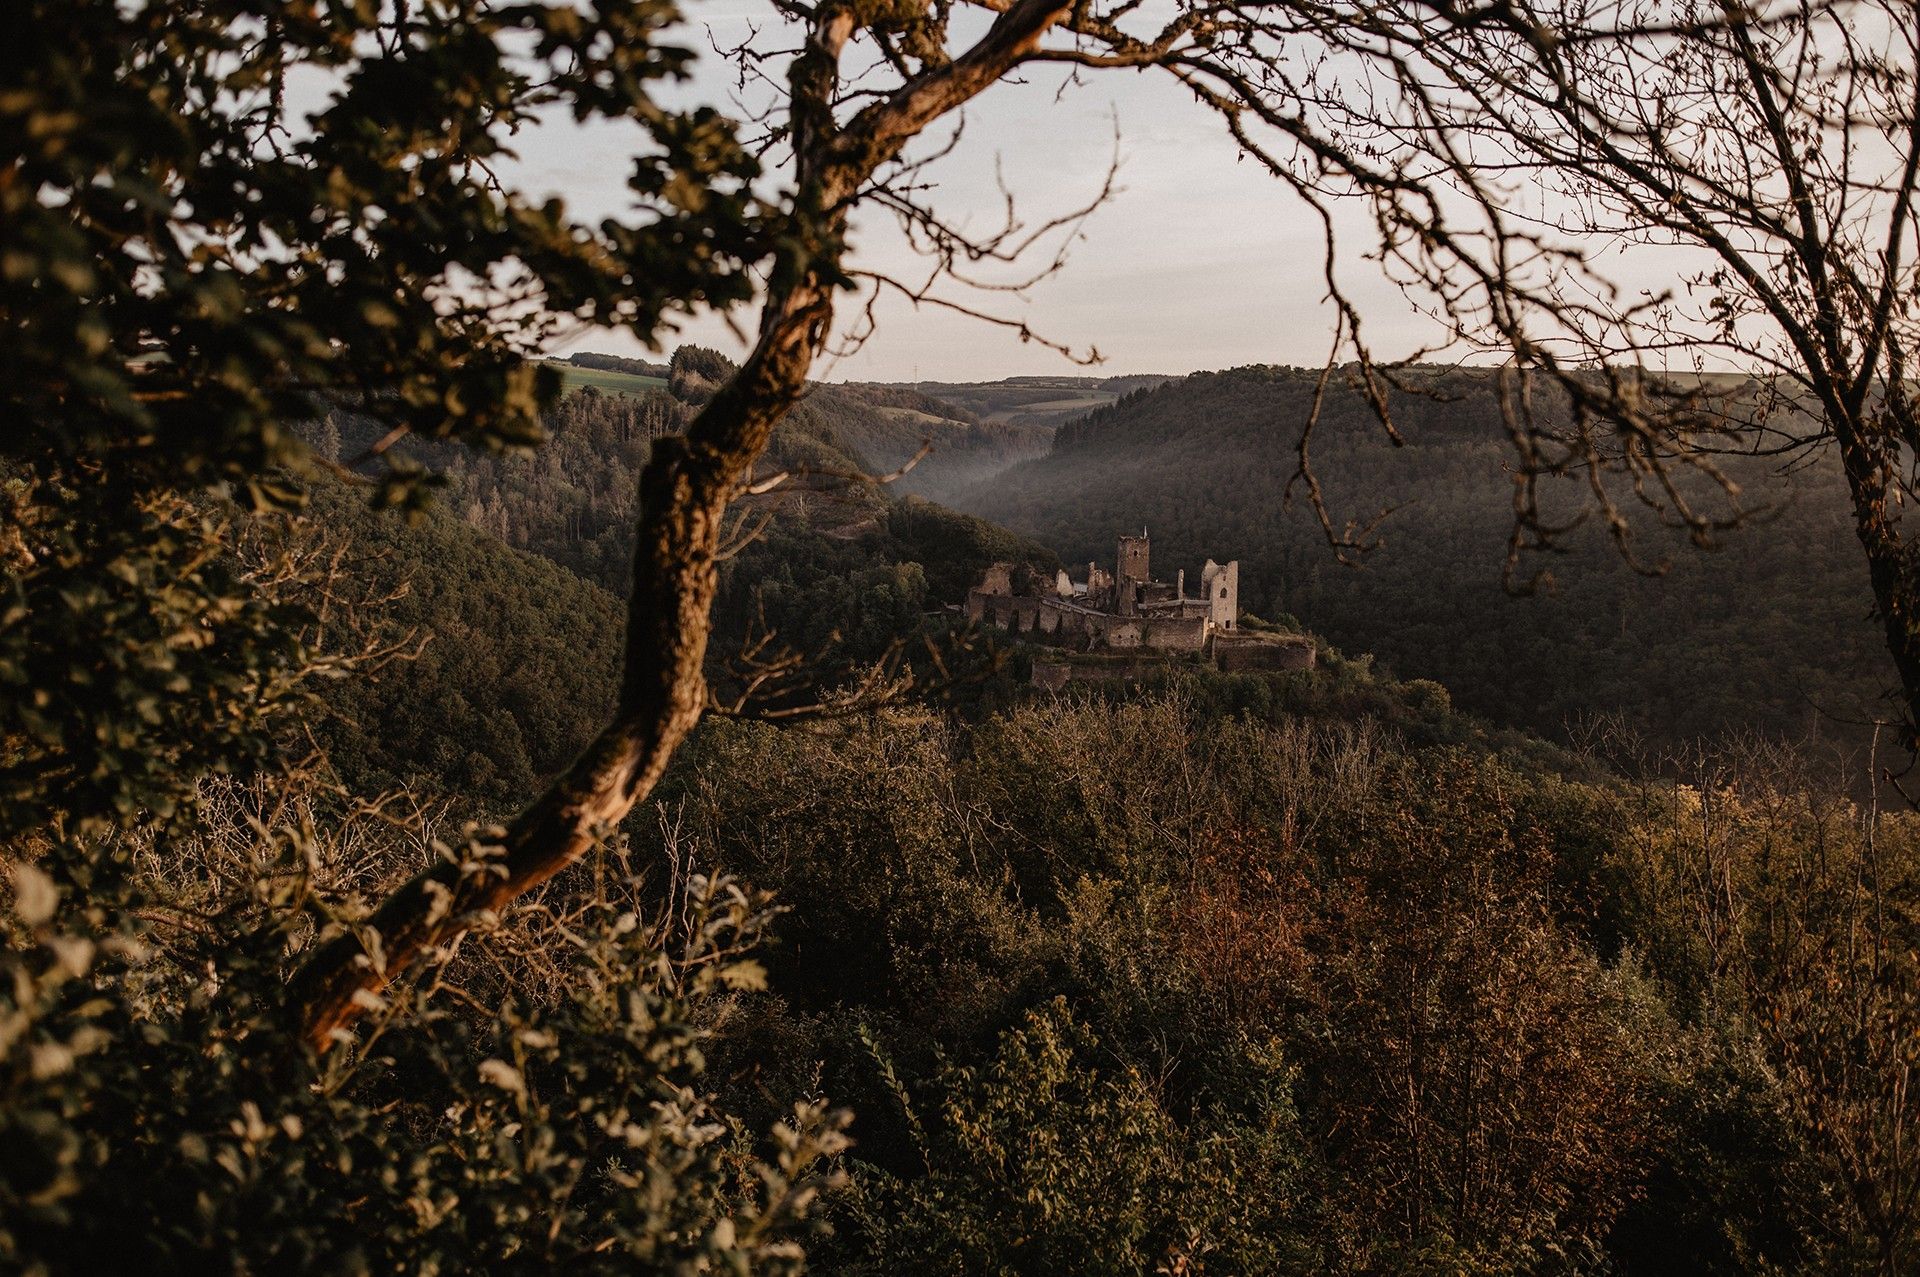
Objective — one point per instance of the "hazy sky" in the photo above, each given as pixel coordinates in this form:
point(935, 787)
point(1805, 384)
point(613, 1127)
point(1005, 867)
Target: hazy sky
point(1200, 261)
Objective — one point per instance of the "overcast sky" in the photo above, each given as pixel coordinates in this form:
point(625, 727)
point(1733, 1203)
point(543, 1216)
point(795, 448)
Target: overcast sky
point(1199, 261)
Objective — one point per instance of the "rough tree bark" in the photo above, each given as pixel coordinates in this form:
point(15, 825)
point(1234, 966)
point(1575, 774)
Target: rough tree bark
point(684, 492)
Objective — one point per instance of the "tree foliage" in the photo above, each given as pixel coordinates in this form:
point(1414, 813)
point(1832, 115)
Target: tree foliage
point(173, 1130)
point(1418, 1007)
point(196, 247)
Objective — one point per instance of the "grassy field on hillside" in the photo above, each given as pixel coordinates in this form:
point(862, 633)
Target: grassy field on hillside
point(608, 383)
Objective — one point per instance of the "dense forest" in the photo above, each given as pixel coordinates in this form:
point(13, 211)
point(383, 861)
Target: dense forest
point(1769, 629)
point(1234, 974)
point(832, 572)
point(1242, 974)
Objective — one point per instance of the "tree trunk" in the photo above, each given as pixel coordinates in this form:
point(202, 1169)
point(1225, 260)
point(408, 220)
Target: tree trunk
point(1891, 566)
point(684, 491)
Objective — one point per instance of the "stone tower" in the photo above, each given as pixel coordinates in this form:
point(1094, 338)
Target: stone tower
point(1129, 573)
point(1130, 564)
point(1220, 586)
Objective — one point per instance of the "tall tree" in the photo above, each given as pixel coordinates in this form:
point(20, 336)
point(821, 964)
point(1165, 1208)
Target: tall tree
point(1642, 119)
point(862, 82)
point(1758, 163)
point(689, 481)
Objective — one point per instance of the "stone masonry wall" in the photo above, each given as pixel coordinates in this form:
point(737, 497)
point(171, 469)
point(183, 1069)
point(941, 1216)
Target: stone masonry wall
point(1246, 655)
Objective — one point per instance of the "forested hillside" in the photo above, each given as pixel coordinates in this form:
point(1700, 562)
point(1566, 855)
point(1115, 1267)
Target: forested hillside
point(1770, 631)
point(942, 444)
point(1128, 979)
point(473, 708)
point(830, 580)
point(1270, 971)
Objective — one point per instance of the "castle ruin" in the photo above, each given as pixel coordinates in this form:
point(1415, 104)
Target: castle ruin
point(1127, 612)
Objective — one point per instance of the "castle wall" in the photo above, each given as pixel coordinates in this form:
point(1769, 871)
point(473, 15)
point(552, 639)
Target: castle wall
point(1056, 674)
point(1128, 611)
point(1199, 608)
point(1052, 675)
point(996, 583)
point(1249, 655)
point(991, 609)
point(1178, 634)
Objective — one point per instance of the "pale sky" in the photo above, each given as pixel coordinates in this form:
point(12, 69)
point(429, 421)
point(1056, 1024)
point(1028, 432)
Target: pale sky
point(1200, 261)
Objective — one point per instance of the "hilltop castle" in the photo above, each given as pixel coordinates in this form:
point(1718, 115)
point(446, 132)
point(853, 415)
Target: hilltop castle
point(1126, 611)
point(1125, 608)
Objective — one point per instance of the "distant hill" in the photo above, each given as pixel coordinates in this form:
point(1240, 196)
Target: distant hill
point(890, 425)
point(1043, 402)
point(1770, 632)
point(879, 428)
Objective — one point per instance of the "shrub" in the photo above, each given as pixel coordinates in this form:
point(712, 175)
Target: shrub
point(195, 1135)
point(1048, 1160)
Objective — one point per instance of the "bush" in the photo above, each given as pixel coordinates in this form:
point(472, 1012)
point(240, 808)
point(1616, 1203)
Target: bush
point(1044, 1161)
point(194, 1135)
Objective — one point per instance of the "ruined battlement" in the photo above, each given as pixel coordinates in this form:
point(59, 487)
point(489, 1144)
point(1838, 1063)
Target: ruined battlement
point(1127, 611)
